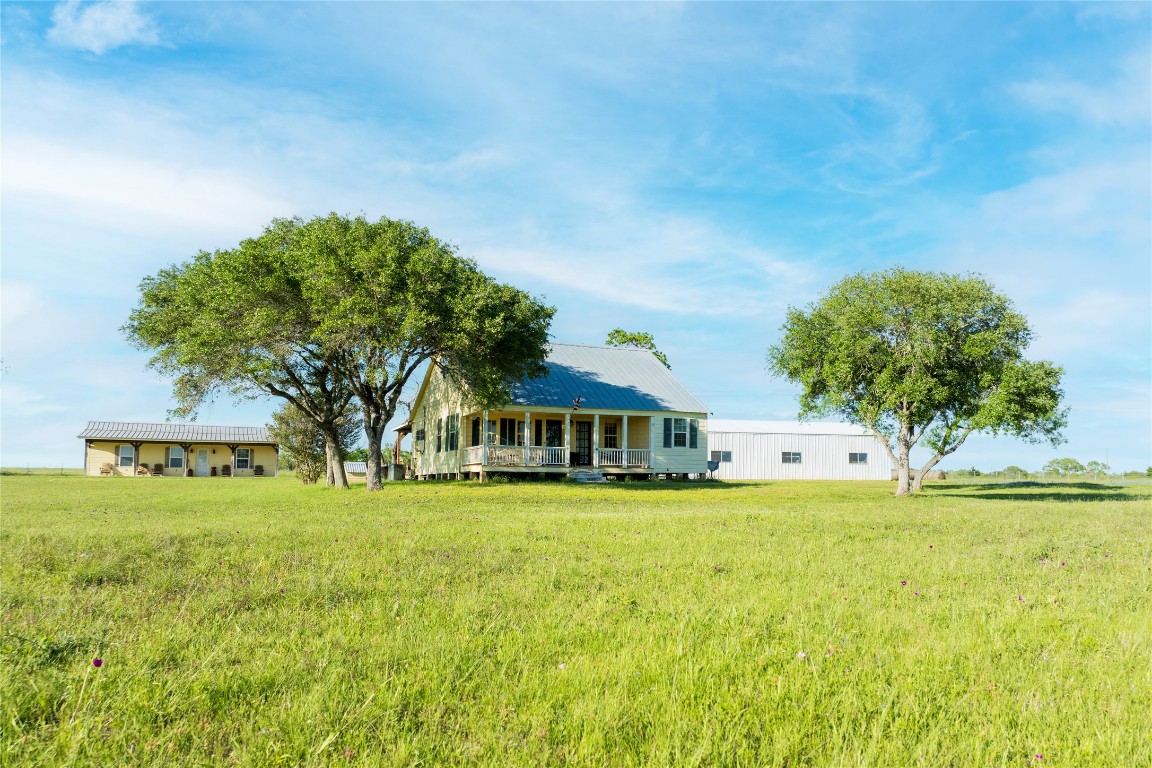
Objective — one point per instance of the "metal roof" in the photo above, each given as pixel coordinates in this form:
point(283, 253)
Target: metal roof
point(606, 378)
point(786, 427)
point(174, 433)
point(356, 467)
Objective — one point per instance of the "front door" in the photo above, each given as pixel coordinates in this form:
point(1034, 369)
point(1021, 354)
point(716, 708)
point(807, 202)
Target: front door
point(583, 452)
point(202, 462)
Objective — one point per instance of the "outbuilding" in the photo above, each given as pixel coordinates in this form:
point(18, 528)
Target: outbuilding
point(178, 450)
point(790, 450)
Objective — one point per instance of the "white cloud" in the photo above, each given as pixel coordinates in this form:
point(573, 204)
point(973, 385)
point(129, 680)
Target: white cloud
point(100, 27)
point(98, 183)
point(1125, 100)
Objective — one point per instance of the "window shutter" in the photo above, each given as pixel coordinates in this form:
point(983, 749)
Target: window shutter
point(693, 431)
point(168, 456)
point(667, 433)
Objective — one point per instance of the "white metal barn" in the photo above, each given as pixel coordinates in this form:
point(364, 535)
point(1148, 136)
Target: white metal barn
point(790, 450)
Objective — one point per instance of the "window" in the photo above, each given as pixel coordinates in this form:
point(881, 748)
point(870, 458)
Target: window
point(511, 432)
point(611, 439)
point(419, 435)
point(857, 458)
point(452, 434)
point(125, 456)
point(553, 433)
point(475, 432)
point(439, 435)
point(722, 456)
point(681, 433)
point(790, 457)
point(243, 458)
point(175, 457)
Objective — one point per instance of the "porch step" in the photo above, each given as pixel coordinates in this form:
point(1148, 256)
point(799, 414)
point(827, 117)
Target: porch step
point(587, 476)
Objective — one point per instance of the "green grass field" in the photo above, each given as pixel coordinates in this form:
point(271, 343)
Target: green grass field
point(261, 623)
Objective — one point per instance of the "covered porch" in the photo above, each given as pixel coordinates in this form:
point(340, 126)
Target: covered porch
point(555, 442)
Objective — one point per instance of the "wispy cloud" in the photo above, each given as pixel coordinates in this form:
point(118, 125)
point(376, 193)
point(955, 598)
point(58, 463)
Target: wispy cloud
point(1124, 100)
point(102, 26)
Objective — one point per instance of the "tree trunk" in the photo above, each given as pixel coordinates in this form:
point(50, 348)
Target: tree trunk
point(334, 456)
point(918, 481)
point(375, 435)
point(903, 486)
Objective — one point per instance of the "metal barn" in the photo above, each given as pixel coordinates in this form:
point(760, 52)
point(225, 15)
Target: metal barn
point(788, 450)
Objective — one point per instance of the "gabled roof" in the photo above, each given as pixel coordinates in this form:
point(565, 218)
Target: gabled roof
point(606, 378)
point(786, 427)
point(174, 433)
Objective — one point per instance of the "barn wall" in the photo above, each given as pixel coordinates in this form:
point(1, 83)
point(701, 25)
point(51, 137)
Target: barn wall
point(756, 456)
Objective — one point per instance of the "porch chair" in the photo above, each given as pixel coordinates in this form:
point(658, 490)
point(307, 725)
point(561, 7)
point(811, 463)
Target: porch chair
point(143, 471)
point(107, 468)
point(258, 470)
point(226, 470)
point(157, 470)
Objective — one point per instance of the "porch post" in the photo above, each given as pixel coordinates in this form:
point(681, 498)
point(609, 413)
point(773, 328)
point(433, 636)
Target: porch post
point(595, 440)
point(135, 457)
point(527, 434)
point(232, 458)
point(624, 440)
point(484, 443)
point(651, 439)
point(567, 439)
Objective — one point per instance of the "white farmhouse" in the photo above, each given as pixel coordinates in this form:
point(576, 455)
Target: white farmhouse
point(789, 450)
point(608, 410)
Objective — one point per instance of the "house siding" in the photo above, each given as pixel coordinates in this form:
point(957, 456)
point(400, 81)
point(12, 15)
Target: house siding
point(100, 452)
point(438, 401)
point(679, 460)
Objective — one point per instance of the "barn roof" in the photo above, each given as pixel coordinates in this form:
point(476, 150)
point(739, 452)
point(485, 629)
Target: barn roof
point(606, 378)
point(174, 433)
point(786, 427)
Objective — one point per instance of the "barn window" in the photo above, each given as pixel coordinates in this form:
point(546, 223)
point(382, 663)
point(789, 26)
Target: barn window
point(790, 457)
point(722, 456)
point(175, 457)
point(857, 458)
point(243, 458)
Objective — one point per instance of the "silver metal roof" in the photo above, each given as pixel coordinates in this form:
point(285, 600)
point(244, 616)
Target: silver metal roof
point(606, 377)
point(785, 427)
point(174, 433)
point(356, 467)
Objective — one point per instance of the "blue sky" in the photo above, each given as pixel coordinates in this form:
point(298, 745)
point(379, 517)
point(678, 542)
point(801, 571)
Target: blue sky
point(687, 169)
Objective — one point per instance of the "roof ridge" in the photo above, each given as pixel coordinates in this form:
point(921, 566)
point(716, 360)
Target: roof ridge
point(178, 424)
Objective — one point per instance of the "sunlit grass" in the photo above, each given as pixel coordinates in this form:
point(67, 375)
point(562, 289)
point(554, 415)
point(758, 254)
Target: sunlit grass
point(258, 622)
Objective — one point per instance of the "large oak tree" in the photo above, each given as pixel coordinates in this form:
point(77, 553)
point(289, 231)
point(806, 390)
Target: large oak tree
point(920, 356)
point(322, 311)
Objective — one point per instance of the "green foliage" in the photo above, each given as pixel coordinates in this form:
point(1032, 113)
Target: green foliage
point(258, 622)
point(302, 444)
point(322, 311)
point(1065, 467)
point(618, 337)
point(1096, 468)
point(1014, 471)
point(917, 355)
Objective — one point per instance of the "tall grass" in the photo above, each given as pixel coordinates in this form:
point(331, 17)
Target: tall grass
point(258, 622)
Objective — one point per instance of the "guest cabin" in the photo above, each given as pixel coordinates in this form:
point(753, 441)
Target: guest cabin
point(178, 450)
point(613, 411)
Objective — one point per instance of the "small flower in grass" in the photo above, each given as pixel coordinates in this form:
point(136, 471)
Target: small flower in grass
point(903, 582)
point(1020, 598)
point(917, 593)
point(801, 655)
point(1038, 756)
point(97, 662)
point(561, 665)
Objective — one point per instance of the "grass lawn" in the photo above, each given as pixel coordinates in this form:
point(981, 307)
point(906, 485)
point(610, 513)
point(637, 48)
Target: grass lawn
point(258, 622)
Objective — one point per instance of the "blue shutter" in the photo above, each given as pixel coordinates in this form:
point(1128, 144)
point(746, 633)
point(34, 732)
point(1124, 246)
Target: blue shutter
point(693, 431)
point(667, 433)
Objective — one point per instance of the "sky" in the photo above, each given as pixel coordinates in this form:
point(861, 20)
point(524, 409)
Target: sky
point(686, 169)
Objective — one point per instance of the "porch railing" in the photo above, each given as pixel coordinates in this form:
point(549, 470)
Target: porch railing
point(614, 457)
point(474, 454)
point(543, 456)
